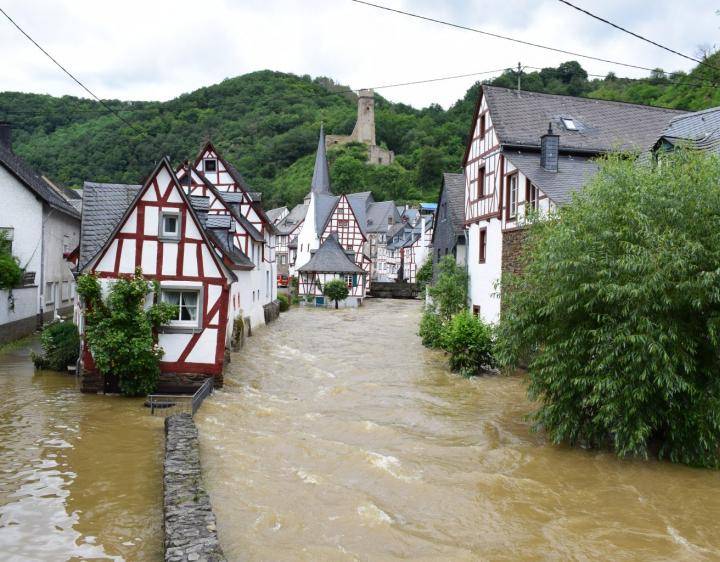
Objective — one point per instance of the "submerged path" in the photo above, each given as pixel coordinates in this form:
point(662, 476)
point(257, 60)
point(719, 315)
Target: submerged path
point(338, 437)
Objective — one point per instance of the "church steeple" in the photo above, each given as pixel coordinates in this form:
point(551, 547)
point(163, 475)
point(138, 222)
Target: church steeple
point(321, 174)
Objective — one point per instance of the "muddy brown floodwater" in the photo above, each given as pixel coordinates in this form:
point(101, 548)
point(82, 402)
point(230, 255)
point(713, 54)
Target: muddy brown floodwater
point(338, 437)
point(80, 476)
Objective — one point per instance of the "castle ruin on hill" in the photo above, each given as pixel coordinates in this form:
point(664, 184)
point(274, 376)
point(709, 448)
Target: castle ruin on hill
point(364, 131)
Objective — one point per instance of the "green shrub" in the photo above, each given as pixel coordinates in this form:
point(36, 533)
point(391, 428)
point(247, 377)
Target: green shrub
point(469, 342)
point(10, 271)
point(425, 273)
point(122, 334)
point(618, 311)
point(295, 299)
point(430, 329)
point(336, 290)
point(284, 303)
point(449, 292)
point(60, 347)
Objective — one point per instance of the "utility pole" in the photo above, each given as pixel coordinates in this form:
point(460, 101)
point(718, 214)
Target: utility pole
point(519, 74)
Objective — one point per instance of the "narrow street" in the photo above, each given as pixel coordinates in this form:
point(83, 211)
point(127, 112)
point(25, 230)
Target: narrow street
point(339, 437)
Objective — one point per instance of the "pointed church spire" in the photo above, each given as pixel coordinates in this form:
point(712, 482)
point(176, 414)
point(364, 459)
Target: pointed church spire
point(321, 174)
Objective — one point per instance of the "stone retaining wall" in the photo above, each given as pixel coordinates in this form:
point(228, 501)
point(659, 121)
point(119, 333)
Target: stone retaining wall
point(393, 290)
point(190, 527)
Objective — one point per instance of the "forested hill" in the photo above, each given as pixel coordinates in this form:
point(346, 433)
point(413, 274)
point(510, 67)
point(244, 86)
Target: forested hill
point(267, 122)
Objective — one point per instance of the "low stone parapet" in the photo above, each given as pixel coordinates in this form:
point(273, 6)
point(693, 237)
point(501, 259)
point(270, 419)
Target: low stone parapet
point(393, 290)
point(190, 526)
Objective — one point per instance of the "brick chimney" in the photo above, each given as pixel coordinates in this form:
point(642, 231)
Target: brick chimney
point(6, 135)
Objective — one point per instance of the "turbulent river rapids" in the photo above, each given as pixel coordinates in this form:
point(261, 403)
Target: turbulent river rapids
point(337, 437)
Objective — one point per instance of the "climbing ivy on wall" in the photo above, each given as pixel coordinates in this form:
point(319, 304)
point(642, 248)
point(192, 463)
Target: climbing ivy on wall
point(122, 333)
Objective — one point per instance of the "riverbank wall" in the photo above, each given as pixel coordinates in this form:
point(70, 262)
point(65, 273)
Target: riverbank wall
point(190, 525)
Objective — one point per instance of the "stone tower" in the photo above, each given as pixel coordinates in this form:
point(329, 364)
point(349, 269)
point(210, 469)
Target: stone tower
point(364, 130)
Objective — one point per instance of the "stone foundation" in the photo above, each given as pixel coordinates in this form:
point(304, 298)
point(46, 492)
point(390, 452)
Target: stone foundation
point(272, 311)
point(513, 245)
point(190, 526)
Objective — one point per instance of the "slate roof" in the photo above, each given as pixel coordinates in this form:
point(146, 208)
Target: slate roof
point(700, 130)
point(573, 173)
point(275, 214)
point(521, 119)
point(293, 219)
point(104, 204)
point(330, 257)
point(378, 213)
point(454, 187)
point(222, 239)
point(321, 173)
point(324, 205)
point(35, 183)
point(219, 221)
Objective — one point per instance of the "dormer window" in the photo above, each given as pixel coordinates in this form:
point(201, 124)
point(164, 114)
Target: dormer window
point(210, 165)
point(170, 226)
point(569, 123)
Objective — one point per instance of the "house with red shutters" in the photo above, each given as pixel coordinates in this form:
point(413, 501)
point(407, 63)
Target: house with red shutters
point(209, 249)
point(527, 153)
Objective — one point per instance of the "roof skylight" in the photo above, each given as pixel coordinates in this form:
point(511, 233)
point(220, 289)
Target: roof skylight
point(569, 123)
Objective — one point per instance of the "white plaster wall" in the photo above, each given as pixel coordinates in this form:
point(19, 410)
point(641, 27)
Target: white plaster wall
point(62, 233)
point(22, 211)
point(484, 276)
point(307, 239)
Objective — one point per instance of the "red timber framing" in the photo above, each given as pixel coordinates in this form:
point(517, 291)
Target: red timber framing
point(311, 283)
point(344, 224)
point(227, 179)
point(199, 185)
point(187, 262)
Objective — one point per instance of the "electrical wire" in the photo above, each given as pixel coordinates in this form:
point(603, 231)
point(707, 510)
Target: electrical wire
point(66, 71)
point(498, 36)
point(638, 36)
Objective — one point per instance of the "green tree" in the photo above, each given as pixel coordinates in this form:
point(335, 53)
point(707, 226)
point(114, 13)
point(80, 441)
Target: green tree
point(449, 292)
point(336, 290)
point(10, 271)
point(617, 312)
point(121, 331)
point(425, 273)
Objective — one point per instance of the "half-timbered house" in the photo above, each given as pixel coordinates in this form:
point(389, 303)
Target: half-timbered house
point(172, 237)
point(287, 230)
point(256, 234)
point(329, 262)
point(527, 152)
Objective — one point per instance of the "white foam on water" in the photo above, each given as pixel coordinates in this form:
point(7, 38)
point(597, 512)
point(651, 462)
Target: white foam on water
point(373, 515)
point(391, 465)
point(306, 476)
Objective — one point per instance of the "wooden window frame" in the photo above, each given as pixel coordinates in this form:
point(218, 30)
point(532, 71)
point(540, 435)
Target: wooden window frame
point(483, 127)
point(480, 182)
point(176, 325)
point(532, 195)
point(482, 245)
point(167, 236)
point(511, 214)
point(205, 161)
point(476, 310)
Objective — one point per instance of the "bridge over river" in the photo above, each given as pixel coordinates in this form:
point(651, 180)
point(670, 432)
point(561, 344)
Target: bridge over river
point(337, 437)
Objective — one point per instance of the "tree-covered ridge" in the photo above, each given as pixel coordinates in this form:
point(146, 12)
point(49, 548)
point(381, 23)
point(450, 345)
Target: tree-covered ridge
point(267, 122)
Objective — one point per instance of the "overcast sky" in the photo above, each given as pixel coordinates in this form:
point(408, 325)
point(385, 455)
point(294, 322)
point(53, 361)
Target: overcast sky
point(157, 50)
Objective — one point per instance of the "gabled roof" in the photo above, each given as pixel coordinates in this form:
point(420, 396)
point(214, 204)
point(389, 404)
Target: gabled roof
point(103, 206)
point(330, 257)
point(520, 119)
point(378, 213)
point(164, 163)
point(700, 130)
point(275, 214)
point(321, 173)
point(454, 189)
point(573, 173)
point(223, 241)
point(24, 173)
point(324, 206)
point(288, 224)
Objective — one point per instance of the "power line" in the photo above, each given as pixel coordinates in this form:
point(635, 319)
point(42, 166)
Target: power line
point(636, 35)
point(66, 71)
point(505, 37)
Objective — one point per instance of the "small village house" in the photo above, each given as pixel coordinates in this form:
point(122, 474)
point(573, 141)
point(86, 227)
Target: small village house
point(41, 223)
point(448, 236)
point(209, 245)
point(527, 153)
point(329, 262)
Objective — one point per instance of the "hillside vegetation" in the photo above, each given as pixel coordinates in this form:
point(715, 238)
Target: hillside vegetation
point(267, 122)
